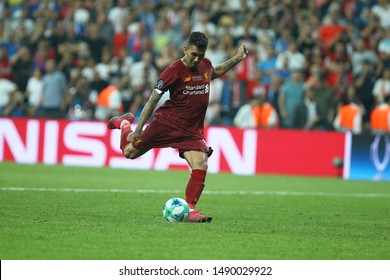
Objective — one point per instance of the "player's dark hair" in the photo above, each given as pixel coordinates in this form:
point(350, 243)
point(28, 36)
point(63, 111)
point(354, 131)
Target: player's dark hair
point(199, 40)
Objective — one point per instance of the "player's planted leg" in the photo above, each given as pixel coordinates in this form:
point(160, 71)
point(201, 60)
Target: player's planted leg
point(197, 217)
point(195, 186)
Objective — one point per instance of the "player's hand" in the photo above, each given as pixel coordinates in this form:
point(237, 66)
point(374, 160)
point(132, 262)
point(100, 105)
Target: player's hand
point(133, 137)
point(242, 51)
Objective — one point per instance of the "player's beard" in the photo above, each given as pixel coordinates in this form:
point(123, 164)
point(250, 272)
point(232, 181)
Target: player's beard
point(194, 64)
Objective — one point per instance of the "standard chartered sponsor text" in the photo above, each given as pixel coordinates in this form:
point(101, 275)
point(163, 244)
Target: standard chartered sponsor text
point(194, 90)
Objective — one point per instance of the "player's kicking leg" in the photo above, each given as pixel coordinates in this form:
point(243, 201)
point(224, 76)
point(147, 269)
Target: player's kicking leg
point(124, 124)
point(115, 122)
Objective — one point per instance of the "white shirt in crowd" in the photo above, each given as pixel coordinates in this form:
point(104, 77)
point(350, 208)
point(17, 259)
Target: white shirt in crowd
point(381, 89)
point(7, 87)
point(34, 89)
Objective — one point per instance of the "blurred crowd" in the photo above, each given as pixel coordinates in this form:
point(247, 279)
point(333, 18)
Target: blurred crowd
point(313, 64)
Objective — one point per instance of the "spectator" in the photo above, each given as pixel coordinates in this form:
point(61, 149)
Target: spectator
point(262, 47)
point(136, 41)
point(364, 83)
point(263, 27)
point(226, 43)
point(296, 60)
point(6, 20)
point(96, 44)
point(338, 54)
point(53, 92)
point(384, 49)
point(382, 87)
point(57, 38)
point(360, 55)
point(147, 13)
point(81, 101)
point(120, 64)
point(284, 72)
point(109, 101)
point(382, 10)
point(46, 10)
point(291, 95)
point(182, 30)
point(233, 97)
point(22, 67)
point(281, 42)
point(265, 114)
point(34, 92)
point(98, 83)
point(226, 25)
point(5, 64)
point(316, 57)
point(380, 117)
point(168, 53)
point(67, 64)
point(118, 14)
point(247, 73)
point(373, 29)
point(127, 94)
point(349, 116)
point(305, 115)
point(120, 39)
point(9, 97)
point(162, 34)
point(69, 47)
point(267, 66)
point(81, 17)
point(203, 24)
point(213, 113)
point(42, 54)
point(274, 92)
point(106, 29)
point(323, 96)
point(314, 75)
point(332, 32)
point(307, 36)
point(104, 66)
point(143, 73)
point(214, 52)
point(245, 116)
point(88, 67)
point(339, 77)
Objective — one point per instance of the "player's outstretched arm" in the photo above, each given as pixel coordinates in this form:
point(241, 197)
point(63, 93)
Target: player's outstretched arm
point(145, 115)
point(221, 69)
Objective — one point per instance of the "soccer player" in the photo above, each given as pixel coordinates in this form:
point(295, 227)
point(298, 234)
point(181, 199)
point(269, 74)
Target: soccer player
point(179, 122)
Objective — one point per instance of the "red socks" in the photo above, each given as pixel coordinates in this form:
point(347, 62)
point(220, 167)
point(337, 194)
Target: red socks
point(125, 130)
point(195, 187)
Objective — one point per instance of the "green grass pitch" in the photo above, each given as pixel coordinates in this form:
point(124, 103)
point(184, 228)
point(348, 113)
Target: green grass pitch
point(60, 213)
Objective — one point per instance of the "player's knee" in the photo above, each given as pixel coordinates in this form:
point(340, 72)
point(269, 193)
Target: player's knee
point(129, 153)
point(202, 165)
point(132, 155)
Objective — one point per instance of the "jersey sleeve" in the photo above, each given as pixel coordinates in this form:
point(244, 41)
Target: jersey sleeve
point(167, 79)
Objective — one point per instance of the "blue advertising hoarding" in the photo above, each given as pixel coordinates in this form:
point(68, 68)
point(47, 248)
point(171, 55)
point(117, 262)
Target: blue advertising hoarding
point(367, 157)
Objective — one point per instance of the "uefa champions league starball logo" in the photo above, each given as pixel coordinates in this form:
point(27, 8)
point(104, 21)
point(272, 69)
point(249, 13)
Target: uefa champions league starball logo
point(375, 156)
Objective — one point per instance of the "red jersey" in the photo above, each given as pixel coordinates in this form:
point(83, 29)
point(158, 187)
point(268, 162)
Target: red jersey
point(189, 91)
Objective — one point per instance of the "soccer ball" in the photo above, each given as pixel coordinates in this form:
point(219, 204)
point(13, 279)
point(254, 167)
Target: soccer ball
point(176, 210)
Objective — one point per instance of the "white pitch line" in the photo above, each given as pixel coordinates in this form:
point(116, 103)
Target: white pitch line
point(276, 193)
